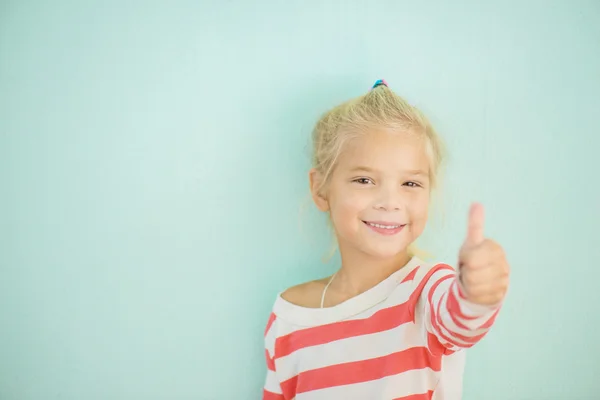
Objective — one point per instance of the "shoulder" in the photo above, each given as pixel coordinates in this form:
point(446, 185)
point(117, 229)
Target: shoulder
point(430, 273)
point(306, 294)
point(441, 267)
point(435, 275)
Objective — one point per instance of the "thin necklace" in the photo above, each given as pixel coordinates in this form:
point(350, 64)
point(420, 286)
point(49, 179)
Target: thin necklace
point(325, 290)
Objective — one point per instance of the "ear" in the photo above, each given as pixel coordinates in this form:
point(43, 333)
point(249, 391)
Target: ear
point(316, 180)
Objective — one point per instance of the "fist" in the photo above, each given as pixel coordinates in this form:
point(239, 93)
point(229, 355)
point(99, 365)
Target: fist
point(483, 269)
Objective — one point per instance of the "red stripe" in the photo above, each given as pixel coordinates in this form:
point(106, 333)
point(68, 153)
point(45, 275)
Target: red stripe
point(414, 297)
point(271, 396)
point(434, 345)
point(452, 304)
point(289, 387)
point(467, 339)
point(454, 307)
point(488, 324)
point(270, 322)
point(437, 321)
point(455, 310)
point(270, 362)
point(456, 321)
point(361, 371)
point(437, 268)
point(433, 315)
point(411, 275)
point(422, 396)
point(382, 320)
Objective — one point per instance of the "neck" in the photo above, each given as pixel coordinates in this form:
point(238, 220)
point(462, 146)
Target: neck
point(360, 272)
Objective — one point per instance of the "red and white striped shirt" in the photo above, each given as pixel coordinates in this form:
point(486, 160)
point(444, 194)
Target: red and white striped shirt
point(398, 340)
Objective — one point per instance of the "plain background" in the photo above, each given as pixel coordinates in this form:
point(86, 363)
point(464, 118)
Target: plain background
point(153, 187)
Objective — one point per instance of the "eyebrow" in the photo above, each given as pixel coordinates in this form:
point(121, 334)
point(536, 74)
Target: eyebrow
point(411, 172)
point(362, 169)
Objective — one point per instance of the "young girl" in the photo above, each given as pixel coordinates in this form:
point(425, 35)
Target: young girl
point(386, 325)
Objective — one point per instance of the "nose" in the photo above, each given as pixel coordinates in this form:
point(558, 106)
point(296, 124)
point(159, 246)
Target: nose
point(389, 199)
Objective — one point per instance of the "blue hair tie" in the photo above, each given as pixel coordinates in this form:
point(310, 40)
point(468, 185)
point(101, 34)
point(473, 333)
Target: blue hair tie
point(379, 83)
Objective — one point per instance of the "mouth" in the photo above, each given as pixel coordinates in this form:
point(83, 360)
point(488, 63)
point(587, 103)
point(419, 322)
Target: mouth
point(384, 228)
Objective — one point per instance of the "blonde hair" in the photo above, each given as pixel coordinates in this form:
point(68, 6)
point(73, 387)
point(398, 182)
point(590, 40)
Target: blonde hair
point(382, 108)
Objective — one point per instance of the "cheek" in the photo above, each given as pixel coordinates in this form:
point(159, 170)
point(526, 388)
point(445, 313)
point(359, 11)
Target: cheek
point(354, 201)
point(350, 201)
point(347, 206)
point(419, 210)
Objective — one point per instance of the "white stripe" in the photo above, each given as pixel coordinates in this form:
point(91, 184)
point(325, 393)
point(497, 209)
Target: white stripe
point(457, 343)
point(270, 337)
point(452, 327)
point(398, 296)
point(441, 330)
point(483, 313)
point(350, 349)
point(435, 278)
point(448, 327)
point(272, 383)
point(404, 384)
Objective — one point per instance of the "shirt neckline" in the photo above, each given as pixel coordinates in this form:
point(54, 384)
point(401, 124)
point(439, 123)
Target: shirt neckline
point(306, 316)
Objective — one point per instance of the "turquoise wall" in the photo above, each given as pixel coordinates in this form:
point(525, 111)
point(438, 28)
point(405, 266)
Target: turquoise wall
point(153, 191)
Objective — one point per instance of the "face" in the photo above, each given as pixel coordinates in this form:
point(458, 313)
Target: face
point(378, 193)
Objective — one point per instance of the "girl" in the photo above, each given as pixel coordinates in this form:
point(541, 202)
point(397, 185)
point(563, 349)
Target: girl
point(386, 325)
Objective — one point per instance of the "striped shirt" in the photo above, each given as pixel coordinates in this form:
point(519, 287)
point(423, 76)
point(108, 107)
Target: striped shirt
point(401, 339)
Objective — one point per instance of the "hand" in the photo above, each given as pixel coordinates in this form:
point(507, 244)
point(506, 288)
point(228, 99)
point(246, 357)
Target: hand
point(484, 271)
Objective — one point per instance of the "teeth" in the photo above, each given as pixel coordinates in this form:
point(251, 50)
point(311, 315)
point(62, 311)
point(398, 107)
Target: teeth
point(384, 226)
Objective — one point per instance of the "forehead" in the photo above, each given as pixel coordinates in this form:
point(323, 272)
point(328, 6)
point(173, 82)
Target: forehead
point(385, 151)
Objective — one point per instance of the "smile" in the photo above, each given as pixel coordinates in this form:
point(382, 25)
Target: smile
point(385, 228)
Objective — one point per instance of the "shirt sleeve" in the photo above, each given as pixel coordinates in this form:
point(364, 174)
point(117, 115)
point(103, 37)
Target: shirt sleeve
point(272, 389)
point(452, 322)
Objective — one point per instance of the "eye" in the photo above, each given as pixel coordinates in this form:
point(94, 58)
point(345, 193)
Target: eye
point(412, 184)
point(363, 181)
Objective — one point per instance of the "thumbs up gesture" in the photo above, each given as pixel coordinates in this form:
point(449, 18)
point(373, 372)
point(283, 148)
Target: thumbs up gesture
point(484, 271)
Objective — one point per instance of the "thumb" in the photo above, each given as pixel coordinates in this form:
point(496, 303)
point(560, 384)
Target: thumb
point(475, 227)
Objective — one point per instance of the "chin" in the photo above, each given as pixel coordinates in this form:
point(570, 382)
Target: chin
point(385, 253)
